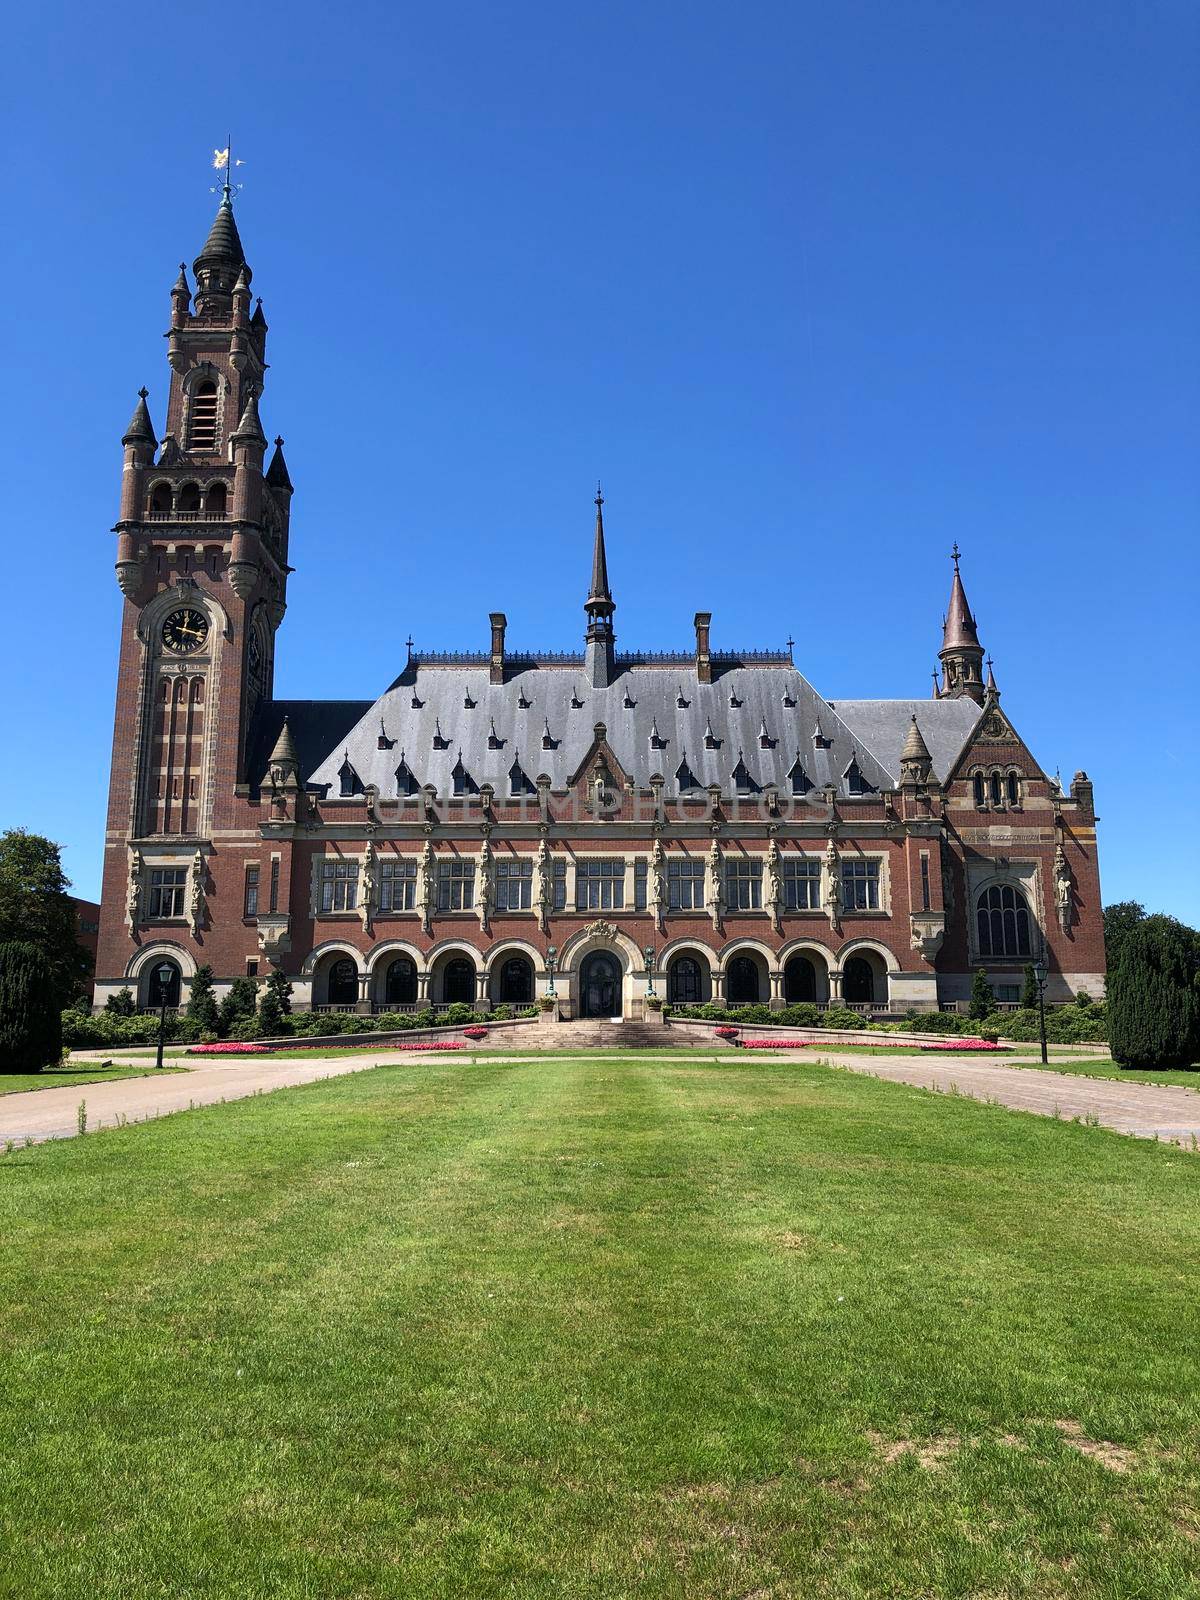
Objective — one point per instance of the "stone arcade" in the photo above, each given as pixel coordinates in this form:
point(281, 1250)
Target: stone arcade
point(496, 826)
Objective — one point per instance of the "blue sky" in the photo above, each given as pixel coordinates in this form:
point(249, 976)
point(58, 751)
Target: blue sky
point(817, 290)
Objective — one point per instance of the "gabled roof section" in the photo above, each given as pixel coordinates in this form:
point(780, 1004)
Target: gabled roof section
point(994, 740)
point(882, 727)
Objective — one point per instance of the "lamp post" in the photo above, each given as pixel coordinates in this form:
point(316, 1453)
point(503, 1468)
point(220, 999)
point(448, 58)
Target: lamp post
point(163, 974)
point(1039, 977)
point(551, 958)
point(648, 952)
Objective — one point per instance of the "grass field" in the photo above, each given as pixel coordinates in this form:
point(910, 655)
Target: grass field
point(598, 1330)
point(64, 1077)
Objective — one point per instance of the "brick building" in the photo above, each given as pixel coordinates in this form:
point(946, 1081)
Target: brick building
point(504, 824)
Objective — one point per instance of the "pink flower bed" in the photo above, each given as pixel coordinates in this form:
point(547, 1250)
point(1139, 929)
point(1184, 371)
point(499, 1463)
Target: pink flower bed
point(230, 1047)
point(475, 1033)
point(235, 1048)
point(883, 1044)
point(726, 1033)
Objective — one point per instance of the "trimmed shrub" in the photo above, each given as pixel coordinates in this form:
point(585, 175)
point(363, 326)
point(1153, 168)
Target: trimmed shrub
point(240, 1003)
point(120, 1004)
point(1152, 998)
point(840, 1017)
point(1029, 991)
point(275, 1007)
point(936, 1022)
point(30, 1021)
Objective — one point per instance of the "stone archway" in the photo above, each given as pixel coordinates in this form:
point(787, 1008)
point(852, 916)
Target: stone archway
point(600, 979)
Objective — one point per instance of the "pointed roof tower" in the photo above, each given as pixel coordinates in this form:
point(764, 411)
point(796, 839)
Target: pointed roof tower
point(915, 761)
point(277, 472)
point(250, 427)
point(283, 764)
point(223, 247)
point(961, 653)
point(601, 661)
point(140, 429)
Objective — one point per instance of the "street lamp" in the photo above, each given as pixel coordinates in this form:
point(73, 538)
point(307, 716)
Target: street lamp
point(1039, 977)
point(164, 974)
point(551, 957)
point(648, 952)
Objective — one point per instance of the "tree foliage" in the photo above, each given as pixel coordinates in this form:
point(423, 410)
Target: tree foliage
point(983, 1001)
point(202, 1001)
point(275, 1007)
point(240, 1004)
point(35, 908)
point(121, 1004)
point(1153, 999)
point(30, 1021)
point(1029, 991)
point(1119, 922)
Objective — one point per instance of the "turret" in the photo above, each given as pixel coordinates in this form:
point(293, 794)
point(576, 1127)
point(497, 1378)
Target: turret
point(220, 262)
point(915, 761)
point(249, 445)
point(600, 639)
point(961, 653)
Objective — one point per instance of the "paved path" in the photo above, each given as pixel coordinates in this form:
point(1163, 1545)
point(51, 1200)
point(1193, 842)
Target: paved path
point(1145, 1110)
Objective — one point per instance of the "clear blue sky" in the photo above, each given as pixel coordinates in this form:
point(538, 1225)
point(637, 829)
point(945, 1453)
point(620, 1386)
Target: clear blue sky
point(816, 289)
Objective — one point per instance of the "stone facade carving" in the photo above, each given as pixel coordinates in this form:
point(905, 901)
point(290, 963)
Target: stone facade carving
point(832, 886)
point(485, 887)
point(602, 930)
point(1064, 889)
point(426, 888)
point(543, 885)
point(927, 929)
point(133, 889)
point(774, 886)
point(656, 885)
point(274, 937)
point(714, 884)
point(196, 893)
point(368, 886)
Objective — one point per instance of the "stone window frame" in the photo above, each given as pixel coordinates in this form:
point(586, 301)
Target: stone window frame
point(397, 870)
point(625, 878)
point(986, 776)
point(350, 874)
point(1020, 872)
point(746, 870)
point(813, 874)
point(884, 880)
point(515, 870)
point(695, 877)
point(450, 871)
point(160, 864)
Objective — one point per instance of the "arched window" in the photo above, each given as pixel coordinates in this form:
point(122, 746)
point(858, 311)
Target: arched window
point(343, 982)
point(685, 985)
point(980, 792)
point(202, 418)
point(516, 982)
point(1002, 918)
point(799, 979)
point(216, 499)
point(741, 981)
point(858, 982)
point(1013, 785)
point(189, 497)
point(160, 500)
point(458, 982)
point(400, 983)
point(996, 790)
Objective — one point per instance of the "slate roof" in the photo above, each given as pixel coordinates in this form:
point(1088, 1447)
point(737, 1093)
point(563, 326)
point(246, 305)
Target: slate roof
point(883, 726)
point(223, 242)
point(428, 703)
point(315, 725)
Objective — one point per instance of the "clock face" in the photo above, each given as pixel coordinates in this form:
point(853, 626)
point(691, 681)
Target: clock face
point(185, 630)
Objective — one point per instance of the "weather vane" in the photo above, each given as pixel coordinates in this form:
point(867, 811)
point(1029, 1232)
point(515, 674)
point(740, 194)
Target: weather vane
point(223, 161)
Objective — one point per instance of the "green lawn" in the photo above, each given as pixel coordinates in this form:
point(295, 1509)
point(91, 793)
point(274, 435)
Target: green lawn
point(64, 1077)
point(1099, 1067)
point(600, 1329)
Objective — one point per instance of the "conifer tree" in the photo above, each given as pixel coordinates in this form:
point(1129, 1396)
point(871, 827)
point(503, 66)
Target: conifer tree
point(983, 1001)
point(275, 1007)
point(120, 1004)
point(240, 1002)
point(1029, 991)
point(202, 1002)
point(1153, 1002)
point(30, 1019)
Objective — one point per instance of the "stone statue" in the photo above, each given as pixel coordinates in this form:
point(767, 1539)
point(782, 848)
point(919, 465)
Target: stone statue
point(543, 885)
point(1064, 887)
point(774, 885)
point(485, 890)
point(656, 888)
point(833, 886)
point(367, 895)
point(133, 891)
point(714, 884)
point(426, 891)
point(196, 893)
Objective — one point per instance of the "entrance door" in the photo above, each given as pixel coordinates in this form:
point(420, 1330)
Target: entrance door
point(600, 986)
point(458, 985)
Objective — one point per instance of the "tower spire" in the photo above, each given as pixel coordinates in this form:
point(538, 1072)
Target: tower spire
point(961, 653)
point(600, 605)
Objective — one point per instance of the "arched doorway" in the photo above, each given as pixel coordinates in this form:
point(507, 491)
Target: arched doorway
point(400, 982)
point(858, 982)
point(600, 985)
point(799, 980)
point(685, 982)
point(458, 982)
point(343, 982)
point(741, 981)
point(155, 989)
point(516, 982)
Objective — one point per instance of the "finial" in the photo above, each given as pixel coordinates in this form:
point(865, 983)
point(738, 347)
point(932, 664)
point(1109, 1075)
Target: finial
point(408, 643)
point(144, 393)
point(955, 555)
point(279, 441)
point(599, 494)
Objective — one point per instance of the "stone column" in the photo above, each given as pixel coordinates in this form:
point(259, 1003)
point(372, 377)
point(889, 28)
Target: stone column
point(776, 976)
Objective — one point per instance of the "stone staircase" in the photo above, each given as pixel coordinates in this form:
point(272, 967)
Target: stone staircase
point(594, 1033)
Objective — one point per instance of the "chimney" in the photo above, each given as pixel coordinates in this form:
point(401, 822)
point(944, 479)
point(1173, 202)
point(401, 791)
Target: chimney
point(703, 659)
point(499, 622)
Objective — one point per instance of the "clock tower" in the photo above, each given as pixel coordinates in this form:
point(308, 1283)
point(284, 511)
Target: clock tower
point(202, 562)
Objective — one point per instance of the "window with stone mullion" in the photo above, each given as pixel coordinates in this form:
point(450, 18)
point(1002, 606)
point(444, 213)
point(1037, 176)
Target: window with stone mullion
point(802, 884)
point(600, 885)
point(860, 885)
point(455, 885)
point(743, 884)
point(685, 885)
point(514, 885)
point(397, 885)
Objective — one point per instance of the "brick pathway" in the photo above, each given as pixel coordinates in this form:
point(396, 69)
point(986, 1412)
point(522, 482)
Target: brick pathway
point(1144, 1110)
